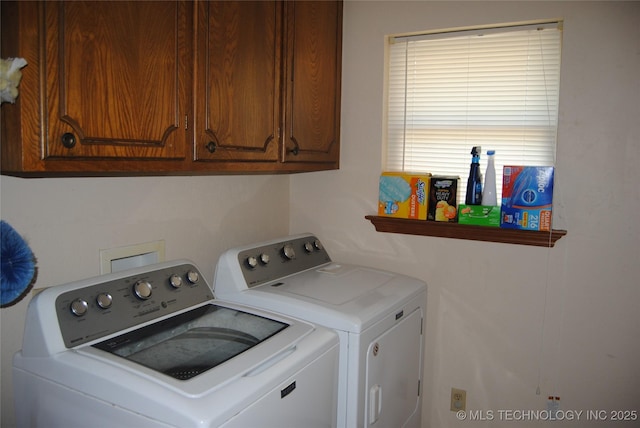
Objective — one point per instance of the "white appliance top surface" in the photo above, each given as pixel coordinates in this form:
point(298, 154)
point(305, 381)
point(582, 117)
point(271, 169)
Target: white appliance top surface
point(295, 275)
point(334, 284)
point(341, 296)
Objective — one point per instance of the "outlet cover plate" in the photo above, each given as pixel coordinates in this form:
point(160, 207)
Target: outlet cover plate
point(458, 399)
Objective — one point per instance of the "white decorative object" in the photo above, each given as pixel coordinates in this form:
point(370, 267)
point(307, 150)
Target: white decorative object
point(10, 76)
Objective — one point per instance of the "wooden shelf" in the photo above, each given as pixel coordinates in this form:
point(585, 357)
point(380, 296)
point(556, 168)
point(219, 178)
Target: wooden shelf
point(464, 231)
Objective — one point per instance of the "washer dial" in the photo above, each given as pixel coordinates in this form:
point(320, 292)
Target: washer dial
point(175, 280)
point(289, 252)
point(193, 276)
point(142, 289)
point(104, 300)
point(79, 307)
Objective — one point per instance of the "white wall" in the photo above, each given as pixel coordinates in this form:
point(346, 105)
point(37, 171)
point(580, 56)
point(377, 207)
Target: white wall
point(503, 319)
point(67, 221)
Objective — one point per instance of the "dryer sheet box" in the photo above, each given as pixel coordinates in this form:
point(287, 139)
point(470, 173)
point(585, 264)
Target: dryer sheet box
point(527, 197)
point(403, 195)
point(479, 215)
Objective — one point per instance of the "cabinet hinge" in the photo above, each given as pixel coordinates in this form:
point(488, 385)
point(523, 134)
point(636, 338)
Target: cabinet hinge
point(186, 122)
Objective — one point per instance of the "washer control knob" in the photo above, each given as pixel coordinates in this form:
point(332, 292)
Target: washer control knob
point(264, 258)
point(317, 244)
point(308, 247)
point(193, 276)
point(175, 281)
point(289, 252)
point(79, 307)
point(104, 300)
point(252, 262)
point(142, 289)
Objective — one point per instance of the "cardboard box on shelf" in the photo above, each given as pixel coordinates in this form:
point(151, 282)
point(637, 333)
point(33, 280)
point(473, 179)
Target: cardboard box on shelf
point(403, 195)
point(527, 197)
point(479, 215)
point(443, 198)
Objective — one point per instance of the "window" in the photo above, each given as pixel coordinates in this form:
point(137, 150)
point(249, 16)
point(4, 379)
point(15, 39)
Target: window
point(450, 91)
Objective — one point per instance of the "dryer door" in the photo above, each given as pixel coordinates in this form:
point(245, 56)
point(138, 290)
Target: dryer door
point(393, 375)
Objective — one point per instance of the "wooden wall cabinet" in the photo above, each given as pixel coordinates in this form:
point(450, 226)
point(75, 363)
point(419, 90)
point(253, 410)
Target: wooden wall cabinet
point(172, 87)
point(268, 83)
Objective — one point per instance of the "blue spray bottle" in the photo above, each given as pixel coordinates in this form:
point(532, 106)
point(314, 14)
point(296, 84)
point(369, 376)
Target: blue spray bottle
point(474, 183)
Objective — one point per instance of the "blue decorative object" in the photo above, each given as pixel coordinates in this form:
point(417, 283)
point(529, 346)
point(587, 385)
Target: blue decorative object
point(17, 266)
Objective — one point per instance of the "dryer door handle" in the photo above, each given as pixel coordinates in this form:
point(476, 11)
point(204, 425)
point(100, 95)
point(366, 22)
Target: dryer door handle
point(375, 403)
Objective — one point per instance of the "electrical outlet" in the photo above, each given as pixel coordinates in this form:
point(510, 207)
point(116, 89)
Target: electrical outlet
point(458, 399)
point(553, 406)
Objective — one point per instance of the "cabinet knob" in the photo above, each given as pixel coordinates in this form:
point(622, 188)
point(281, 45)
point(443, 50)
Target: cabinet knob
point(68, 140)
point(211, 147)
point(295, 151)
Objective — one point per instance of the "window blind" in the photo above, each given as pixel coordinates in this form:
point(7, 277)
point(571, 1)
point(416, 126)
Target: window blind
point(495, 88)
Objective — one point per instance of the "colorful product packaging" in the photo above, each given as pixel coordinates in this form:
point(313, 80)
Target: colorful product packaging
point(403, 195)
point(479, 215)
point(443, 198)
point(527, 197)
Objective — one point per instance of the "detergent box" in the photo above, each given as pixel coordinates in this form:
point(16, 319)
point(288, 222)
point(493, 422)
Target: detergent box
point(403, 195)
point(443, 197)
point(479, 215)
point(527, 196)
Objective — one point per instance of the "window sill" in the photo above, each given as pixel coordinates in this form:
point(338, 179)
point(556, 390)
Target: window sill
point(464, 231)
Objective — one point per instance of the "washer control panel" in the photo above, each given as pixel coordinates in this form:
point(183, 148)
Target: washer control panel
point(99, 309)
point(270, 262)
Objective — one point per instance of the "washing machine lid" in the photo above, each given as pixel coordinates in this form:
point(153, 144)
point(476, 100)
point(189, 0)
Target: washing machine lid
point(193, 342)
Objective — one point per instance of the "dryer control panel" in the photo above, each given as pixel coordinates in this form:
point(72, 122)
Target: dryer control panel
point(271, 261)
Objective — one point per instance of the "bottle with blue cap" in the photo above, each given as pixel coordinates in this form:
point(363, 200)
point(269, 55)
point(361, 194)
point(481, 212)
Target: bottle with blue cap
point(489, 196)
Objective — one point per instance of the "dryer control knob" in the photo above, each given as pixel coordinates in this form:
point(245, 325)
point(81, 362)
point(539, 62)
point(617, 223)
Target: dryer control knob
point(142, 289)
point(289, 252)
point(308, 247)
point(264, 258)
point(252, 262)
point(79, 307)
point(317, 244)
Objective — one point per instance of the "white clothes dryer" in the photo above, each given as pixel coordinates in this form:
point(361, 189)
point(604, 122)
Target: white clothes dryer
point(378, 315)
point(150, 347)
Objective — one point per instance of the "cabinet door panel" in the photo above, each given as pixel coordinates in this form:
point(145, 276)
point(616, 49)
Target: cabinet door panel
point(237, 80)
point(113, 79)
point(314, 43)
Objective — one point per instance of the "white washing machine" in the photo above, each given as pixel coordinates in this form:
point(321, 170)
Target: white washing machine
point(150, 347)
point(378, 315)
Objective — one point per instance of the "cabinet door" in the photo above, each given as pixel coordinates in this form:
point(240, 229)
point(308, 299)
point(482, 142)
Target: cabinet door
point(237, 80)
point(114, 79)
point(312, 81)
